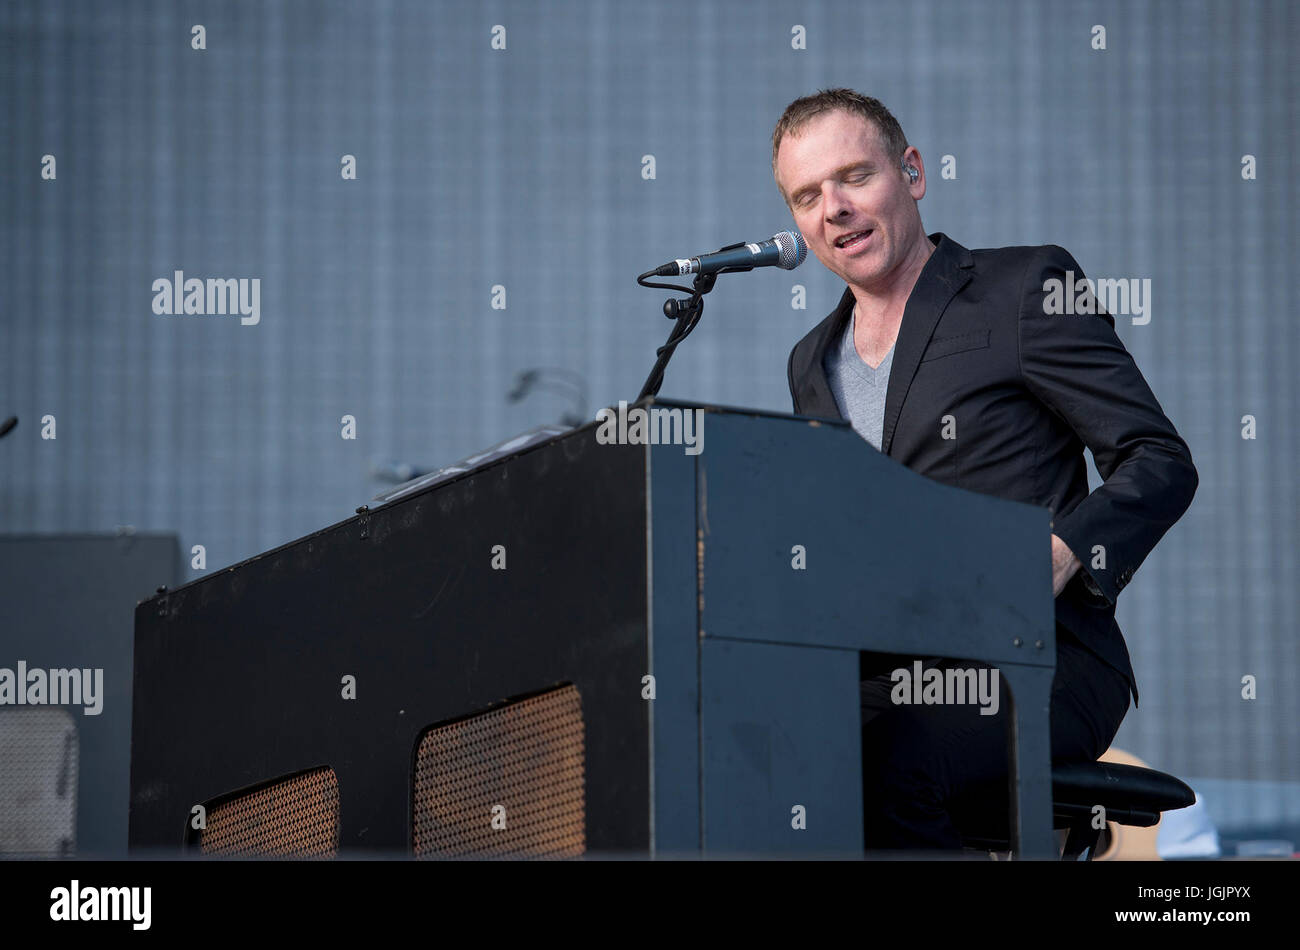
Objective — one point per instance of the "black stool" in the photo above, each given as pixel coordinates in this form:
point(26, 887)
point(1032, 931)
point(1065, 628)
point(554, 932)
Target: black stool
point(1129, 794)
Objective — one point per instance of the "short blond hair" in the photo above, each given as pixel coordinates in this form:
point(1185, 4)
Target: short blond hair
point(800, 112)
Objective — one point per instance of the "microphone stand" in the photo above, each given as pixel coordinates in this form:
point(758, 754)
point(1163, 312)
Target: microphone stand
point(685, 312)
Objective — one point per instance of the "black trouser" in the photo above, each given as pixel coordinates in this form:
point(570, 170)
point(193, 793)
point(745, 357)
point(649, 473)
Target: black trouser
point(925, 767)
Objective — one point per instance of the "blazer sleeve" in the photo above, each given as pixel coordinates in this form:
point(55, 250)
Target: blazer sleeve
point(1079, 368)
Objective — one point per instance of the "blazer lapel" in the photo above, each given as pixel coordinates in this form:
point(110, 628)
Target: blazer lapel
point(946, 272)
point(820, 400)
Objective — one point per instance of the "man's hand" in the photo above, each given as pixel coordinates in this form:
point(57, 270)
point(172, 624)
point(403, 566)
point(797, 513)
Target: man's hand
point(1064, 564)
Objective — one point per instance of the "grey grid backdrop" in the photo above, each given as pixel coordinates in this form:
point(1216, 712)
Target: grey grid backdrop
point(523, 168)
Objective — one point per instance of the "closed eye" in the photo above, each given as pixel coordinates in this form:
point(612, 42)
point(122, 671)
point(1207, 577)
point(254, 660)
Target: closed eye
point(857, 178)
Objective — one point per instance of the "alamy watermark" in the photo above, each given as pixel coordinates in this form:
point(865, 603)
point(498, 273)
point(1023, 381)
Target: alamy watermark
point(946, 687)
point(57, 687)
point(1129, 296)
point(75, 902)
point(658, 425)
point(216, 295)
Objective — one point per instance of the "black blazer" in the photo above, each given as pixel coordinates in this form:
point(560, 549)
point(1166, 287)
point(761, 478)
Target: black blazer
point(1026, 392)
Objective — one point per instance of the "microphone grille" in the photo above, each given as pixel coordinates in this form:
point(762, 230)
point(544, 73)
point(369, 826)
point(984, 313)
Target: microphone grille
point(793, 248)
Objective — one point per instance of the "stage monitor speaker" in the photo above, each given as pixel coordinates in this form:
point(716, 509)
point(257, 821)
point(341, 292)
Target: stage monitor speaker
point(38, 782)
point(66, 606)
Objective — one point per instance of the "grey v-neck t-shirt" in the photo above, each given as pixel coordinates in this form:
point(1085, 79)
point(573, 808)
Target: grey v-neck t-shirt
point(859, 390)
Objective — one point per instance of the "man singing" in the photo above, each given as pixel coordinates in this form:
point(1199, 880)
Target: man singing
point(955, 363)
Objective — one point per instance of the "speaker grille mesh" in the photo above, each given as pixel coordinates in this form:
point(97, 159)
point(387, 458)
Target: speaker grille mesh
point(38, 782)
point(506, 783)
point(294, 817)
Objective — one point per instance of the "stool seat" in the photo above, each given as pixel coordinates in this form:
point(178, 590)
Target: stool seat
point(1130, 795)
point(1125, 791)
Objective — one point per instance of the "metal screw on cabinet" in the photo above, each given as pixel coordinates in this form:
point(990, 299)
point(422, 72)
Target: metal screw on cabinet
point(1038, 644)
point(1017, 642)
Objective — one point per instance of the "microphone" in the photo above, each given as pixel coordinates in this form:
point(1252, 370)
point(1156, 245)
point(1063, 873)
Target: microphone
point(785, 249)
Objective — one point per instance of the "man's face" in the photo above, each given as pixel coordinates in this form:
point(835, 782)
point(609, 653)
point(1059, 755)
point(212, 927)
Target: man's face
point(839, 181)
